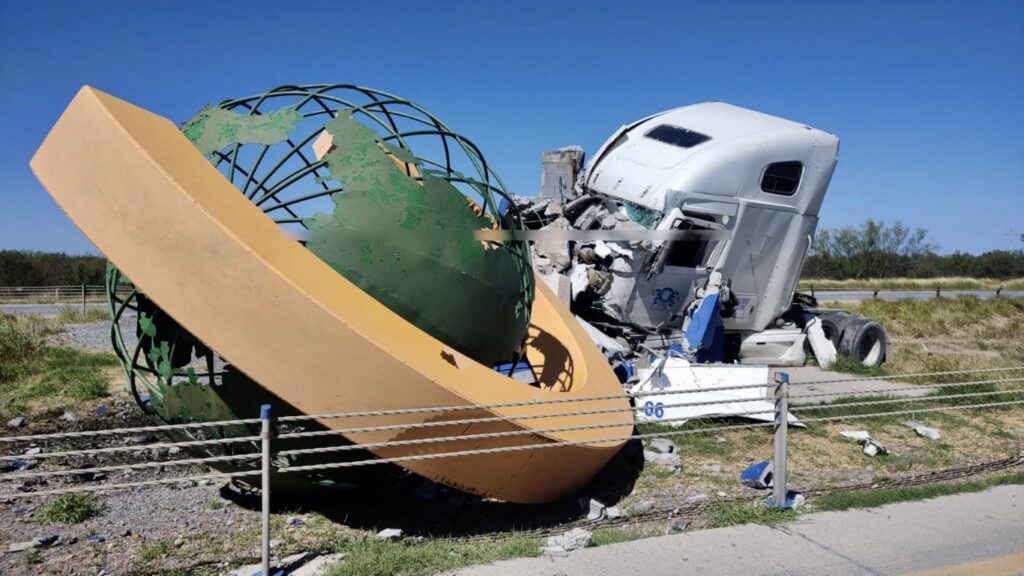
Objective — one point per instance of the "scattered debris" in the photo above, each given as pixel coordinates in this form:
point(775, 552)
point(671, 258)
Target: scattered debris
point(68, 416)
point(572, 540)
point(871, 446)
point(640, 508)
point(595, 509)
point(46, 540)
point(794, 501)
point(296, 522)
point(33, 451)
point(554, 551)
point(677, 525)
point(101, 409)
point(721, 494)
point(22, 546)
point(389, 534)
point(757, 476)
point(697, 499)
point(664, 446)
point(923, 430)
point(16, 422)
point(95, 539)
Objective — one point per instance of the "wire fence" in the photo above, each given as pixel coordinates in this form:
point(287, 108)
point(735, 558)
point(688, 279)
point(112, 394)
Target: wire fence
point(261, 455)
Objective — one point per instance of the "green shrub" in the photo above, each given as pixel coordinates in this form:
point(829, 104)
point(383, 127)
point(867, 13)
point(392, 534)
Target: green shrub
point(20, 342)
point(71, 508)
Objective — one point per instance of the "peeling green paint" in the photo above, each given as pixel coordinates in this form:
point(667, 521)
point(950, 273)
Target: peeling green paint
point(213, 129)
point(385, 235)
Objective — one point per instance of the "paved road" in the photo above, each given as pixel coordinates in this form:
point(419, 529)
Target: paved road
point(860, 295)
point(979, 533)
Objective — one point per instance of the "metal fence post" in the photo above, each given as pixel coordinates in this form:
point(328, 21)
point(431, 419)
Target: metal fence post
point(83, 299)
point(781, 429)
point(265, 486)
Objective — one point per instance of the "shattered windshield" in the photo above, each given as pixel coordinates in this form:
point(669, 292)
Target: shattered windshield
point(642, 215)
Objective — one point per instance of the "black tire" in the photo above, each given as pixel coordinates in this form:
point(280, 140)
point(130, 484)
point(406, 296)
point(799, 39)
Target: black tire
point(868, 343)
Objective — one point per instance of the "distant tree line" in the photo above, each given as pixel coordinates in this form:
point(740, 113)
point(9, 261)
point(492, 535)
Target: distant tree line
point(49, 269)
point(877, 250)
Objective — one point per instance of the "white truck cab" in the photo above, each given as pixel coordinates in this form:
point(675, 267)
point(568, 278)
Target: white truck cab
point(755, 182)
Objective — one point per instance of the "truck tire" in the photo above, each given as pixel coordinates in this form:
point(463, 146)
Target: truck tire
point(868, 343)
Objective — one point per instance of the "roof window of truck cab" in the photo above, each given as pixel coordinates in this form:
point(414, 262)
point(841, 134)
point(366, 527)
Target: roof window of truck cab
point(782, 177)
point(676, 136)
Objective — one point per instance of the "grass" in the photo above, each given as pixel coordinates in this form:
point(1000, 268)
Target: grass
point(949, 283)
point(736, 512)
point(875, 498)
point(75, 315)
point(946, 334)
point(848, 365)
point(71, 508)
point(370, 557)
point(38, 378)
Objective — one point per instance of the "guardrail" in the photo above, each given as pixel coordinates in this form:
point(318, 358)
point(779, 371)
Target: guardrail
point(262, 446)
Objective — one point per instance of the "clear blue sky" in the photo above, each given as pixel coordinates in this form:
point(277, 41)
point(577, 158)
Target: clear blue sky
point(928, 97)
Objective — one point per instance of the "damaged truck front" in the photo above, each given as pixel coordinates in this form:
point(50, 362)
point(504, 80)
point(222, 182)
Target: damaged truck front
point(707, 213)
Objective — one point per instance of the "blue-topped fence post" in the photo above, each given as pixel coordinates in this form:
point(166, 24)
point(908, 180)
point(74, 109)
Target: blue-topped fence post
point(265, 486)
point(781, 430)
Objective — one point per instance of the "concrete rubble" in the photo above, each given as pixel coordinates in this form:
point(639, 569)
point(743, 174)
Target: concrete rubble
point(871, 446)
point(922, 430)
point(597, 510)
point(561, 545)
point(389, 534)
point(15, 423)
point(663, 452)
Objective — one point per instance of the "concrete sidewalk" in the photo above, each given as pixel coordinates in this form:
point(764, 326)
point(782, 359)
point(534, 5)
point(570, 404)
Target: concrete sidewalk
point(981, 533)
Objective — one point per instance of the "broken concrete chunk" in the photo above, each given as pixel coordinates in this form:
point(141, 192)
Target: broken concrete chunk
point(68, 416)
point(554, 551)
point(923, 430)
point(22, 546)
point(572, 540)
point(389, 534)
point(671, 460)
point(15, 422)
point(640, 508)
point(595, 509)
point(873, 448)
point(663, 445)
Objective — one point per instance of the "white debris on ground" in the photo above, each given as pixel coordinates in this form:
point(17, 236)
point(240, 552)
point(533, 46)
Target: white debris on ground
point(699, 382)
point(871, 446)
point(923, 430)
point(562, 544)
point(389, 534)
point(662, 451)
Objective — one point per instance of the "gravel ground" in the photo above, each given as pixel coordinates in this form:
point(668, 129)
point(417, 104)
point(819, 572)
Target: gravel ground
point(95, 336)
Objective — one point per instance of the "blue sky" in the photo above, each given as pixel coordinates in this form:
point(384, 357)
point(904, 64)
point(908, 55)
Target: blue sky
point(927, 97)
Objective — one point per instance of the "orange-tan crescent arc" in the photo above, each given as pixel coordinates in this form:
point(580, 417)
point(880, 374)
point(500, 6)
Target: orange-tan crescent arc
point(153, 204)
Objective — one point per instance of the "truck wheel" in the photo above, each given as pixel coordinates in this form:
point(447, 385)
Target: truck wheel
point(869, 343)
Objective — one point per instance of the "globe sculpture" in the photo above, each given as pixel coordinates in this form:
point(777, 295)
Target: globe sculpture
point(314, 248)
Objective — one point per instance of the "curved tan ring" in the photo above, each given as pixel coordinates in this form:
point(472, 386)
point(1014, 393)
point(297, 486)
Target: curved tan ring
point(211, 259)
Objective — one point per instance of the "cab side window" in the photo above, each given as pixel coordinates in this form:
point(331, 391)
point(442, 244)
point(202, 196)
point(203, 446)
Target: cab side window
point(782, 177)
